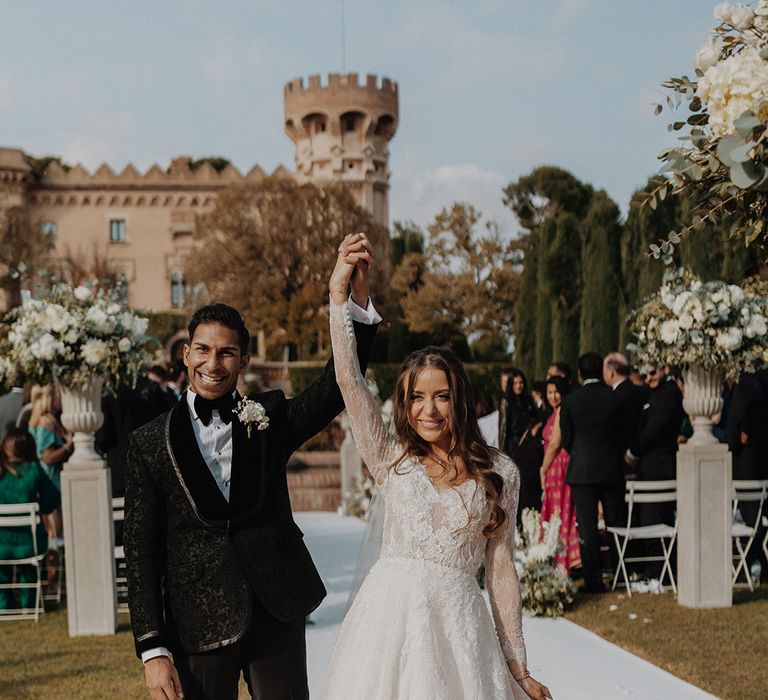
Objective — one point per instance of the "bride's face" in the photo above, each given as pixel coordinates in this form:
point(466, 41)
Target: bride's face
point(430, 407)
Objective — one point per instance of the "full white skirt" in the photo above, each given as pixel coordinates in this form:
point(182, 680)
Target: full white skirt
point(418, 631)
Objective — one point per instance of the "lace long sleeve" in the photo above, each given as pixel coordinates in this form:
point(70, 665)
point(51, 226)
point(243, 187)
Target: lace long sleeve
point(501, 575)
point(377, 447)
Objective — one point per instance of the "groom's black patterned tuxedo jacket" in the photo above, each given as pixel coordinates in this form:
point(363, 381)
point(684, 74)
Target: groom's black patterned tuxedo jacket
point(195, 561)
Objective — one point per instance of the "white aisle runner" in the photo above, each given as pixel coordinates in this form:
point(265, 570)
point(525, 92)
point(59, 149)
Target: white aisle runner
point(574, 663)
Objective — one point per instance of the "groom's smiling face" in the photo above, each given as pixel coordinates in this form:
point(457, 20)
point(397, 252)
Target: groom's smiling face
point(214, 360)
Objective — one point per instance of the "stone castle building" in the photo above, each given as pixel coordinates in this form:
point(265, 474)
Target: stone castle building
point(144, 223)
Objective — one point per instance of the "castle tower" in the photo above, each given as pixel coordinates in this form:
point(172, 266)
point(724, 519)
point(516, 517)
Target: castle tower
point(342, 131)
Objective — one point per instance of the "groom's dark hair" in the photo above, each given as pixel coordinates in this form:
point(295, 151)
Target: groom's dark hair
point(226, 316)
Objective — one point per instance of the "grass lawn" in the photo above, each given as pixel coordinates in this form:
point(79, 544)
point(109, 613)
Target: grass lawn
point(724, 652)
point(41, 661)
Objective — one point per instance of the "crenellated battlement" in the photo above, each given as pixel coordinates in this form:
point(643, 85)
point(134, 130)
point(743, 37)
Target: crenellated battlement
point(337, 81)
point(178, 174)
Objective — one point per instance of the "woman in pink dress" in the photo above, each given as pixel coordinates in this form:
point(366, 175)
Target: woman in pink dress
point(557, 498)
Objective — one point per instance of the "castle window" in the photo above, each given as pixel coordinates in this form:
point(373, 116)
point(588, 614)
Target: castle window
point(49, 229)
point(117, 230)
point(178, 290)
point(349, 123)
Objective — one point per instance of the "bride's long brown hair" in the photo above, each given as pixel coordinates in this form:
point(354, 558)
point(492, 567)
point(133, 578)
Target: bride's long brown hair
point(466, 444)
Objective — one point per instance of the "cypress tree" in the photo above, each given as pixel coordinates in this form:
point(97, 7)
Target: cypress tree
point(525, 309)
point(543, 300)
point(601, 266)
point(563, 271)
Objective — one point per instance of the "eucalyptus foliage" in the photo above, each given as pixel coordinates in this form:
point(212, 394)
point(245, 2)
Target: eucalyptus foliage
point(722, 163)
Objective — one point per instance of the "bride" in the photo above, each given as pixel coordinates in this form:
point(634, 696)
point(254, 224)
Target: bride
point(419, 628)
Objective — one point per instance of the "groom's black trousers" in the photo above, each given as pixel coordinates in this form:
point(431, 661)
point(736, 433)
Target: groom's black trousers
point(272, 657)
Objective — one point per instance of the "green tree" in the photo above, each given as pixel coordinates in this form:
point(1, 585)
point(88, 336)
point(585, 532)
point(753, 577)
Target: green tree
point(601, 265)
point(24, 249)
point(525, 309)
point(467, 279)
point(546, 192)
point(563, 271)
point(268, 249)
point(543, 354)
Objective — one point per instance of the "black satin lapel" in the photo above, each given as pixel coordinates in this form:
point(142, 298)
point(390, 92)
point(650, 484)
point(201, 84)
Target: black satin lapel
point(195, 473)
point(245, 493)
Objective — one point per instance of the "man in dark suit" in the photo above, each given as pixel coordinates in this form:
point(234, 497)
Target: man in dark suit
point(747, 436)
point(616, 371)
point(592, 421)
point(218, 573)
point(653, 453)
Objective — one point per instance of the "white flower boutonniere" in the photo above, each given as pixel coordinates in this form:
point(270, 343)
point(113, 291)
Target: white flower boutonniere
point(249, 413)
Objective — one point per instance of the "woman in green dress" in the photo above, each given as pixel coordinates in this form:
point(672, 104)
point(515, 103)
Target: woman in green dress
point(22, 480)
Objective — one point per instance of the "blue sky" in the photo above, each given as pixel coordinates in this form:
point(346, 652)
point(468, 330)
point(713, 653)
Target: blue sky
point(489, 89)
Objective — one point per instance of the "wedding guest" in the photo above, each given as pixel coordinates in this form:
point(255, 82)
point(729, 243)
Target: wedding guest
point(592, 425)
point(519, 426)
point(616, 371)
point(177, 381)
point(10, 408)
point(538, 394)
point(748, 440)
point(558, 498)
point(158, 374)
point(560, 369)
point(653, 453)
point(22, 481)
point(54, 442)
point(506, 373)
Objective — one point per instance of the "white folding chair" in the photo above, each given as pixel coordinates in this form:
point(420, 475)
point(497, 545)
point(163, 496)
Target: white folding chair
point(23, 515)
point(765, 540)
point(646, 492)
point(121, 579)
point(743, 533)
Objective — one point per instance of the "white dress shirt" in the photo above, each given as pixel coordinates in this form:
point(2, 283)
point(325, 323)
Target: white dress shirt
point(215, 439)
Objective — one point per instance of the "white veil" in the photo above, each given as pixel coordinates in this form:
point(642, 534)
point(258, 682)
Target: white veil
point(370, 547)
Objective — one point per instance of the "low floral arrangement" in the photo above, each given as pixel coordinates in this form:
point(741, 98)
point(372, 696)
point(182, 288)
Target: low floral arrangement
point(545, 585)
point(72, 335)
point(723, 164)
point(711, 324)
point(359, 503)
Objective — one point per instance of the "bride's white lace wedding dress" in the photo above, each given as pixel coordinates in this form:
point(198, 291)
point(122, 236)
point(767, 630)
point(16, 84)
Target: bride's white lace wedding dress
point(419, 628)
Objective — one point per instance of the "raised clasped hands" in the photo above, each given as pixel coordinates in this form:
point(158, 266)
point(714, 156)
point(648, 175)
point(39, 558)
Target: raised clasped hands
point(352, 268)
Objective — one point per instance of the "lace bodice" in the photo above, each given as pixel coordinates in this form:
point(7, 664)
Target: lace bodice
point(422, 521)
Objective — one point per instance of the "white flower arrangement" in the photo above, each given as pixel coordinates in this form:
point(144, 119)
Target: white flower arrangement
point(723, 163)
point(710, 324)
point(71, 335)
point(250, 413)
point(359, 503)
point(545, 585)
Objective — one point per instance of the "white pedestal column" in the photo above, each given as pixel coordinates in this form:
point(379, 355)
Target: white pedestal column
point(86, 504)
point(351, 464)
point(704, 508)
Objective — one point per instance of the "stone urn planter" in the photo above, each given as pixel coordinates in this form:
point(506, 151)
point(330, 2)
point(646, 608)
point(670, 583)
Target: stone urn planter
point(702, 400)
point(81, 413)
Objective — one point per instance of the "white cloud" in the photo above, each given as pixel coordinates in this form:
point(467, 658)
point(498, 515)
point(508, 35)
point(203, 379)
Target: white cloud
point(419, 193)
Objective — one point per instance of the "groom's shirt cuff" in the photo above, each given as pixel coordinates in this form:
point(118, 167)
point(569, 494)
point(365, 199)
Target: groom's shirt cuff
point(369, 316)
point(153, 653)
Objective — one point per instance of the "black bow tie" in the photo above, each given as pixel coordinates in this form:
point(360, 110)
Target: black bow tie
point(205, 408)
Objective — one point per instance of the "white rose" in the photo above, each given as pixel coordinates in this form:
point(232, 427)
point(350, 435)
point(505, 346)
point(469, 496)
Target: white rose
point(737, 294)
point(680, 302)
point(114, 308)
point(706, 55)
point(124, 344)
point(685, 321)
point(733, 86)
point(757, 326)
point(71, 336)
point(99, 320)
point(44, 348)
point(729, 339)
point(94, 351)
point(669, 332)
point(82, 293)
point(742, 17)
point(722, 12)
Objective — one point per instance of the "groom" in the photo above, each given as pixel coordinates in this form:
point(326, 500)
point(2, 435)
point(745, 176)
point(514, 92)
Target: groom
point(218, 574)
